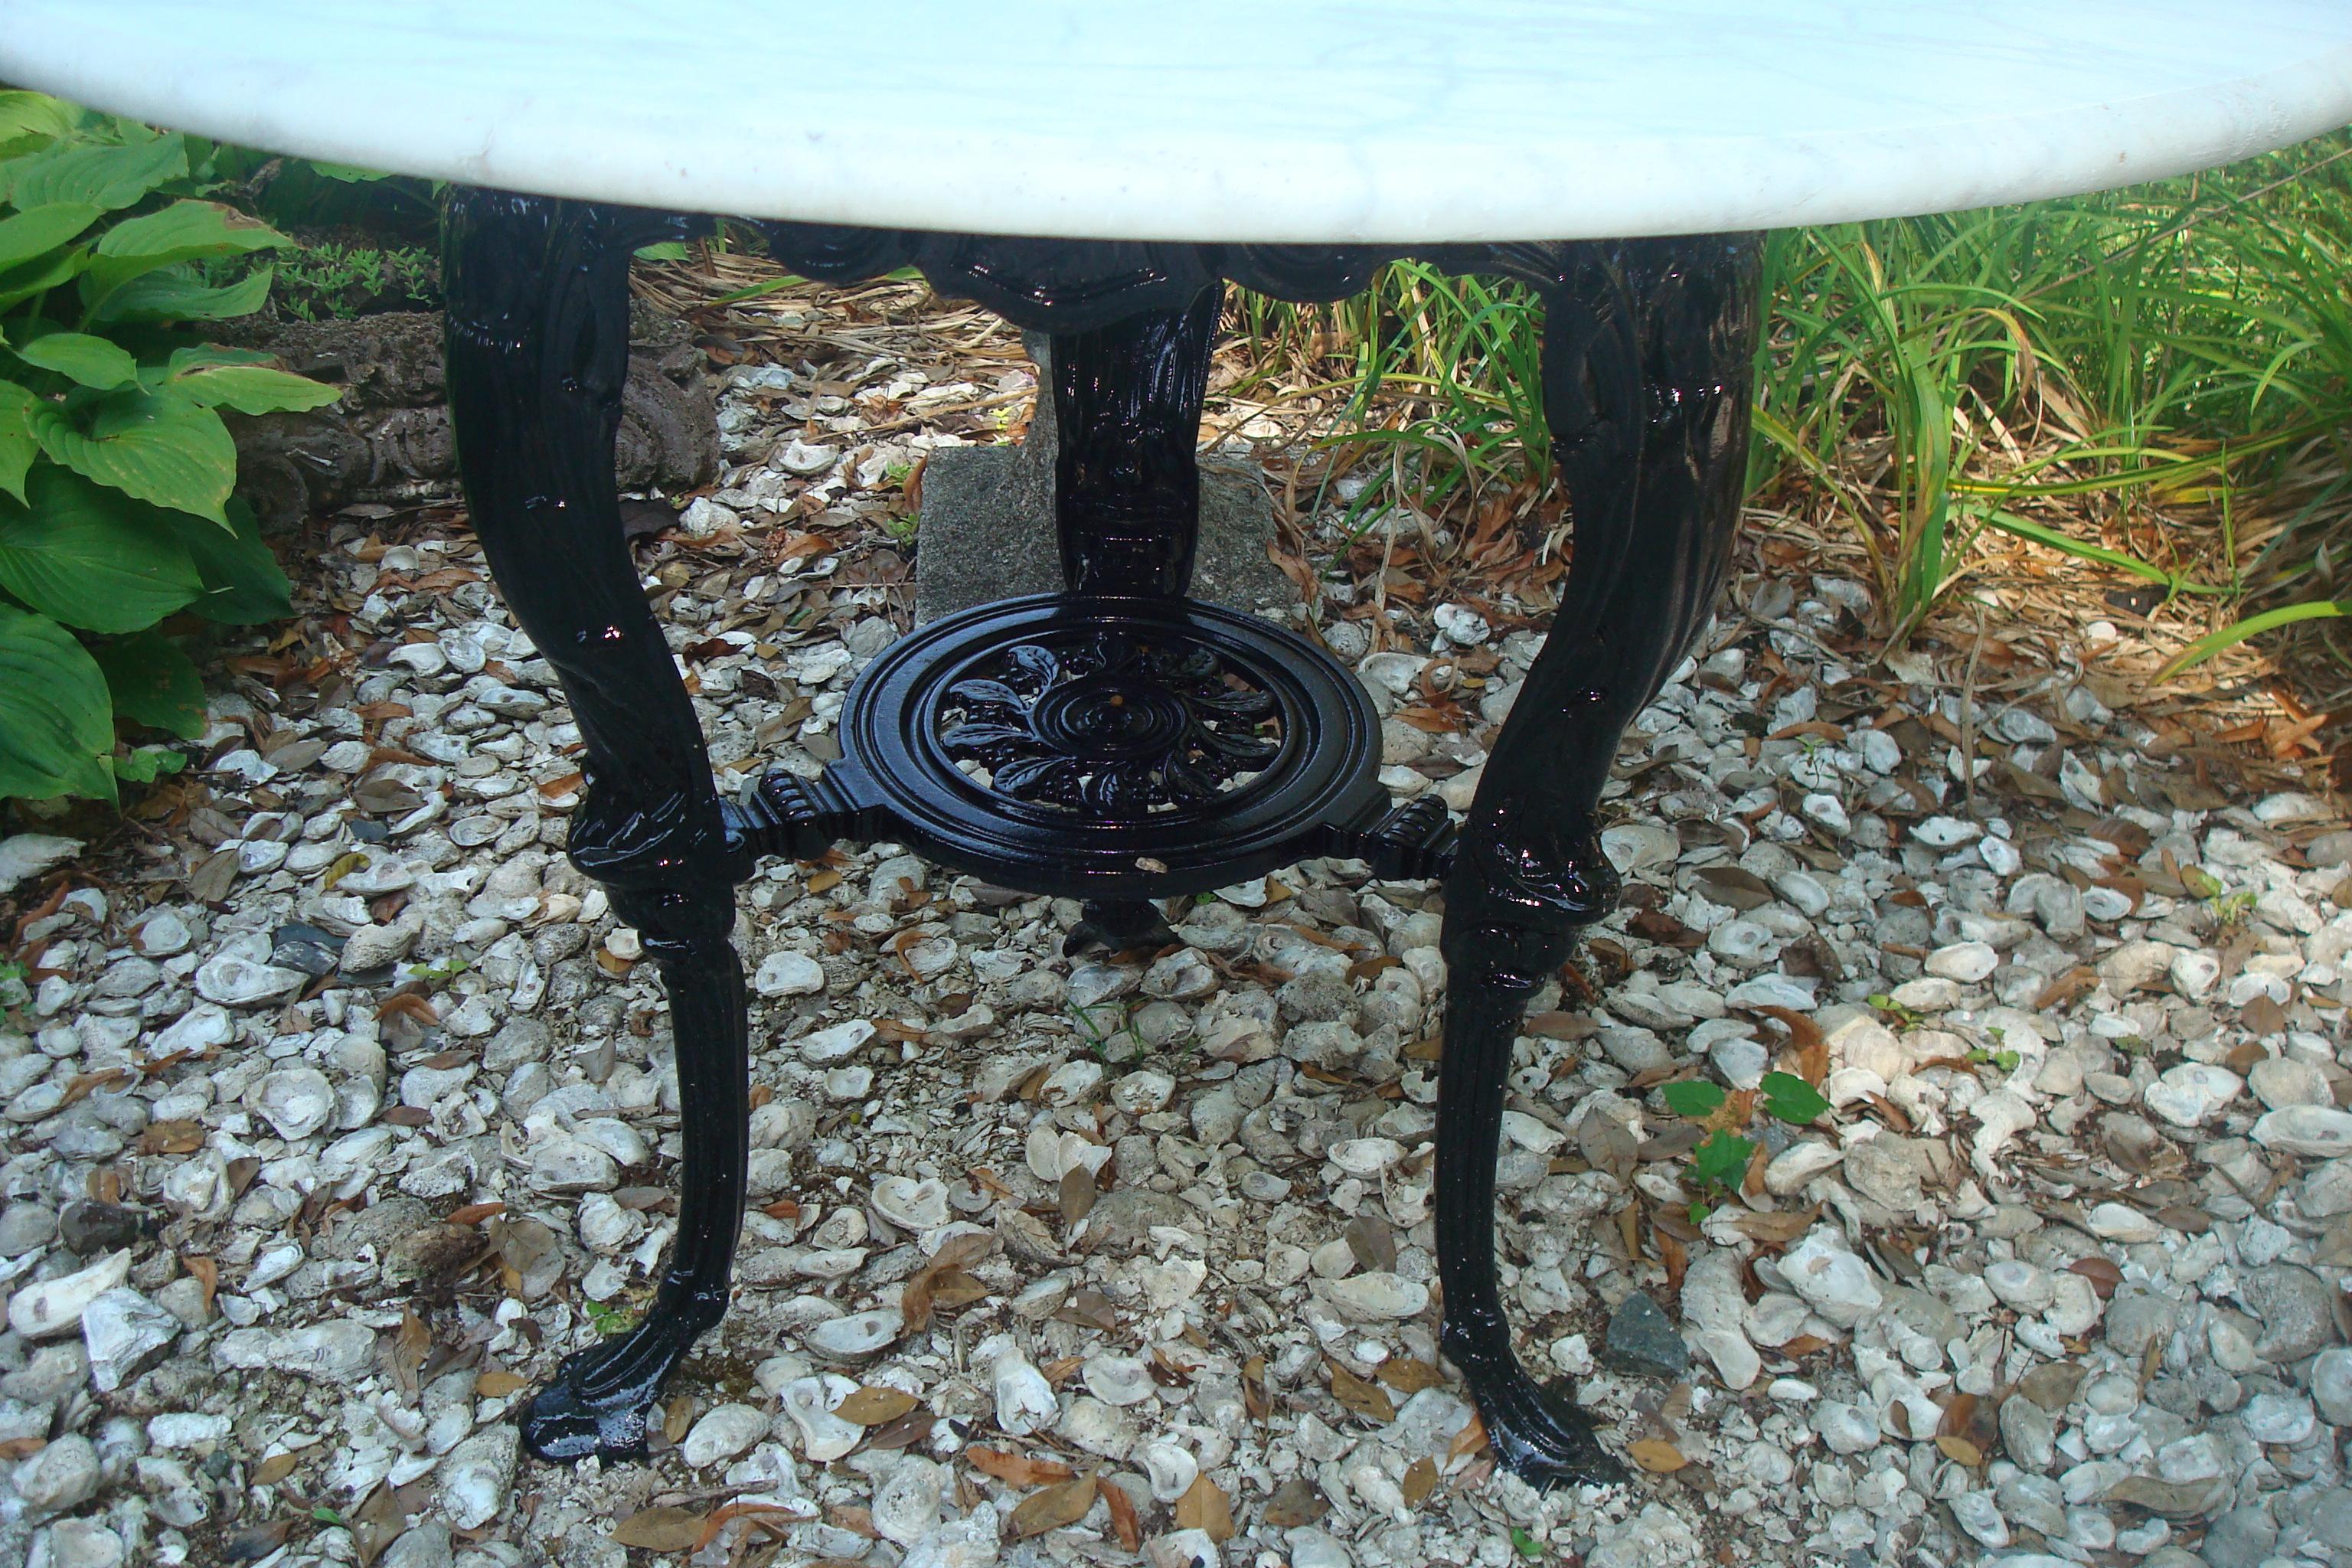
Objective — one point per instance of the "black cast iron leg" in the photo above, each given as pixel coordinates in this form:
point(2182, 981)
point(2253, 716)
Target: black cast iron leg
point(1646, 367)
point(1117, 925)
point(1127, 484)
point(599, 1399)
point(538, 352)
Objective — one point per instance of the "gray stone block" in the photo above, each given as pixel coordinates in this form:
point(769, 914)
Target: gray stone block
point(987, 532)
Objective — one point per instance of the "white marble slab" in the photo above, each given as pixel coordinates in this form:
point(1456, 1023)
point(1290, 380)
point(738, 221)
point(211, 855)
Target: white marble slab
point(1236, 120)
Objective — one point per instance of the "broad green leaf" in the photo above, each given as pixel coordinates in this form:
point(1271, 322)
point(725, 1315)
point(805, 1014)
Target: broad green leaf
point(176, 294)
point(662, 251)
point(93, 558)
point(33, 114)
point(349, 173)
point(208, 356)
point(255, 389)
point(1692, 1099)
point(184, 231)
point(243, 582)
point(19, 284)
point(1721, 1160)
point(27, 235)
point(102, 176)
point(93, 362)
point(142, 765)
point(159, 447)
point(1791, 1098)
point(17, 446)
point(153, 682)
point(57, 726)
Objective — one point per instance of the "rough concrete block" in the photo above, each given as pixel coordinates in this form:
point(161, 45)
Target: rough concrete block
point(988, 523)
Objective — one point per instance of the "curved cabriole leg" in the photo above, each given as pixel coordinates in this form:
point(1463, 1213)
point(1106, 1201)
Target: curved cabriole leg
point(1127, 482)
point(538, 350)
point(1646, 366)
point(598, 1400)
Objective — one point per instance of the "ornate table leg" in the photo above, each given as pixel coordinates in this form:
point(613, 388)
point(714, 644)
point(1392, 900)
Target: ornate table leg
point(538, 350)
point(1646, 366)
point(1127, 494)
point(1127, 481)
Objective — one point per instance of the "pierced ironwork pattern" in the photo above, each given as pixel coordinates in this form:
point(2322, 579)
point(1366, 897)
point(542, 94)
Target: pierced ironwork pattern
point(1113, 725)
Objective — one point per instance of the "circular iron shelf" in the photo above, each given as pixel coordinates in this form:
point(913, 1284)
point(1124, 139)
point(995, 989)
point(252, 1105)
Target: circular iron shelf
point(1108, 747)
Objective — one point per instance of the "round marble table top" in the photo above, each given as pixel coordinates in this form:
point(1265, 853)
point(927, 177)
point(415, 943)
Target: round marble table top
point(1228, 120)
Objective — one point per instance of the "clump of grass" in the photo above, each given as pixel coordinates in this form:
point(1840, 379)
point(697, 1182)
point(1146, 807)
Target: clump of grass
point(2121, 377)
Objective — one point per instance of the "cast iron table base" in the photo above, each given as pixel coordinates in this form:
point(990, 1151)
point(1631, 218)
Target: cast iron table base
point(1118, 743)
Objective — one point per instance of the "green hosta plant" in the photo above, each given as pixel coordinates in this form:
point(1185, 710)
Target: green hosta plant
point(115, 466)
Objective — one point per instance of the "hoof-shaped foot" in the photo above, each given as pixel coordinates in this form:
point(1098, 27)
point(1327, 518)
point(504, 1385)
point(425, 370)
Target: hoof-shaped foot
point(600, 1398)
point(1537, 1432)
point(1118, 926)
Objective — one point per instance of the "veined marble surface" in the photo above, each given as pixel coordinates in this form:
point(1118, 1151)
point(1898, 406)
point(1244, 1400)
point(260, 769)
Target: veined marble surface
point(1229, 119)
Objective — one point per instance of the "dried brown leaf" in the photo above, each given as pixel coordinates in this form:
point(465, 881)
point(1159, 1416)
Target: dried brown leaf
point(206, 1274)
point(1077, 1194)
point(1366, 1399)
point(2066, 988)
point(1013, 1469)
point(1656, 1456)
point(406, 1355)
point(1777, 1226)
point(1254, 1395)
point(1125, 1522)
point(954, 1288)
point(171, 1138)
point(2263, 1017)
point(1409, 1375)
point(1675, 1256)
point(1295, 1502)
point(872, 1406)
point(720, 1520)
point(1204, 1508)
point(1054, 1508)
point(376, 1523)
point(1372, 1243)
point(2105, 1277)
point(908, 1430)
point(660, 1530)
point(1420, 1480)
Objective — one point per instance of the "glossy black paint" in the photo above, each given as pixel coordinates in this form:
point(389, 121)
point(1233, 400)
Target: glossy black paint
point(1127, 484)
point(1089, 709)
point(1113, 725)
point(1647, 360)
point(1135, 747)
point(538, 347)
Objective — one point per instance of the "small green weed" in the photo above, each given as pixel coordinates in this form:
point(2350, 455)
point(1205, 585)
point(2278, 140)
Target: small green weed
point(1904, 1017)
point(607, 1318)
point(1721, 1158)
point(336, 282)
point(2230, 909)
point(438, 975)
